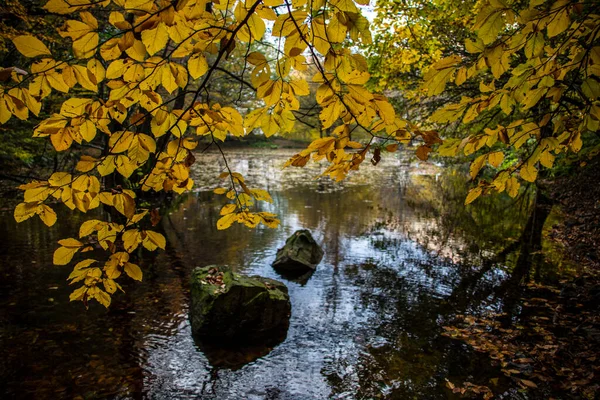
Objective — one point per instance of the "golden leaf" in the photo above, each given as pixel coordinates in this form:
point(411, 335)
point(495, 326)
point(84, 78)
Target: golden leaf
point(78, 294)
point(559, 23)
point(24, 211)
point(30, 46)
point(63, 255)
point(154, 240)
point(85, 47)
point(269, 219)
point(47, 215)
point(547, 159)
point(496, 158)
point(226, 221)
point(59, 179)
point(37, 194)
point(436, 81)
point(110, 286)
point(133, 271)
point(512, 187)
point(260, 194)
point(102, 297)
point(476, 165)
point(528, 172)
point(124, 203)
point(89, 227)
point(155, 39)
point(473, 195)
point(197, 65)
point(489, 23)
point(131, 239)
point(228, 209)
point(86, 164)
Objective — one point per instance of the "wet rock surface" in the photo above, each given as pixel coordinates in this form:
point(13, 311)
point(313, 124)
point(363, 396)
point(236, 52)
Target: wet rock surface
point(228, 306)
point(300, 254)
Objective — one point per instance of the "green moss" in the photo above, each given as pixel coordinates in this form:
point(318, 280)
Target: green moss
point(230, 305)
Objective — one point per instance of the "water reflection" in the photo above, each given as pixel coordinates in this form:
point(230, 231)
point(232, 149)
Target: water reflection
point(400, 254)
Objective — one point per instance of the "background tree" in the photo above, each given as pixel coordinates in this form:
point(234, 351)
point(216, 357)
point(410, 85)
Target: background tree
point(520, 93)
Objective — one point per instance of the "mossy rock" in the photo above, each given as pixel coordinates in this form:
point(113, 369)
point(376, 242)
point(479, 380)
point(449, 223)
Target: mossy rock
point(300, 254)
point(229, 306)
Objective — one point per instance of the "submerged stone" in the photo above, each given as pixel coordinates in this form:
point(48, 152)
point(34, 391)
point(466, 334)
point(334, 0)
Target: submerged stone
point(300, 254)
point(229, 306)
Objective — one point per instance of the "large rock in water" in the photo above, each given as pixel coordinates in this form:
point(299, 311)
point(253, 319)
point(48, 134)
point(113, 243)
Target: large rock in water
point(301, 253)
point(230, 306)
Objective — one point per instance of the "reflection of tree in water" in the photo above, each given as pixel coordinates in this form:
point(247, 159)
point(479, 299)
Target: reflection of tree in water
point(192, 232)
point(413, 356)
point(403, 353)
point(480, 229)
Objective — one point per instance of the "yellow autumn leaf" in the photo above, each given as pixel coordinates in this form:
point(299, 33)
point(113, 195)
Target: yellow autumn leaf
point(133, 271)
point(137, 217)
point(260, 194)
point(228, 209)
point(226, 221)
point(100, 295)
point(125, 166)
point(24, 211)
point(59, 179)
point(547, 159)
point(89, 227)
point(496, 158)
point(120, 141)
point(336, 30)
point(62, 139)
point(38, 194)
point(78, 294)
point(197, 65)
point(110, 285)
point(47, 215)
point(269, 219)
point(249, 219)
point(131, 239)
point(86, 164)
point(112, 266)
point(85, 47)
point(529, 172)
point(476, 165)
point(559, 23)
point(154, 240)
point(473, 195)
point(436, 81)
point(124, 203)
point(70, 242)
point(30, 46)
point(489, 24)
point(64, 255)
point(84, 264)
point(155, 39)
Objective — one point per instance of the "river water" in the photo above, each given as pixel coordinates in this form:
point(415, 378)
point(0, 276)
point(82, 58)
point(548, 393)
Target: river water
point(366, 324)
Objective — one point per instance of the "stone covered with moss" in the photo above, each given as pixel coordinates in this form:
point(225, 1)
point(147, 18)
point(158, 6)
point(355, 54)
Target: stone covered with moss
point(230, 306)
point(301, 253)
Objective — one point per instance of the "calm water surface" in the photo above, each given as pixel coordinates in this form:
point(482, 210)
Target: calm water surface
point(366, 324)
